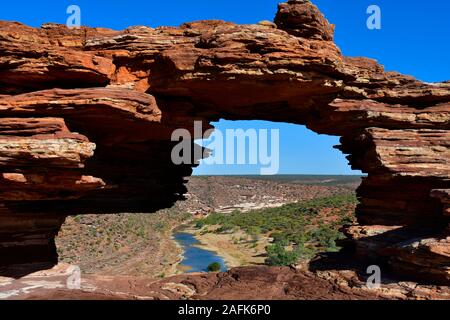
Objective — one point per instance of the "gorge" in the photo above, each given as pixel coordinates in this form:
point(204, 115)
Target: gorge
point(86, 118)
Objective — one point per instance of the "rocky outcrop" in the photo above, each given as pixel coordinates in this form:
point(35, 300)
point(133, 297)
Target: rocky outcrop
point(245, 283)
point(87, 115)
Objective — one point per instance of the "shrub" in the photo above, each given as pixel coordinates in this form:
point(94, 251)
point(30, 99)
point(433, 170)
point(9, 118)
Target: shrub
point(160, 226)
point(214, 267)
point(277, 255)
point(200, 224)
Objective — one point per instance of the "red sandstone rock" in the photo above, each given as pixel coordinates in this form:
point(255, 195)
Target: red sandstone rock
point(302, 19)
point(262, 283)
point(86, 118)
point(444, 197)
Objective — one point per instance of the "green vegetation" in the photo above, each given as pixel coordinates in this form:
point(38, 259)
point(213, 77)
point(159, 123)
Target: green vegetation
point(214, 267)
point(98, 241)
point(299, 230)
point(320, 180)
point(277, 255)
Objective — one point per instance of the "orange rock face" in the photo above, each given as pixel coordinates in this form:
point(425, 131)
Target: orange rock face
point(86, 118)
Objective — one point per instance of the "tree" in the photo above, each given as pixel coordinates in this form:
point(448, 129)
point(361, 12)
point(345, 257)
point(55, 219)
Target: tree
point(214, 267)
point(277, 255)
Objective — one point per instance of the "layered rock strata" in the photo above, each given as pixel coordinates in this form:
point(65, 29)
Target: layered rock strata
point(86, 117)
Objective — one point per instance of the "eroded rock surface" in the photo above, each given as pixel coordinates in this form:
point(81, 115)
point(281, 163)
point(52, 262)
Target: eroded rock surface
point(248, 283)
point(87, 116)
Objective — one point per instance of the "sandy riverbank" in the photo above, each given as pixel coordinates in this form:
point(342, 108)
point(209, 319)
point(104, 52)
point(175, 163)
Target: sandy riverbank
point(236, 248)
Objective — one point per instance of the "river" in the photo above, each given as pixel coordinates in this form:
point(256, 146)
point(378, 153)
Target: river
point(194, 258)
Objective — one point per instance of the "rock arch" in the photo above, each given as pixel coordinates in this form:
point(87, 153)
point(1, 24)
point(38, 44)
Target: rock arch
point(86, 117)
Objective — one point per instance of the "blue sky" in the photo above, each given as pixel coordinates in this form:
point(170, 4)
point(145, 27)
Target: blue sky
point(414, 39)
